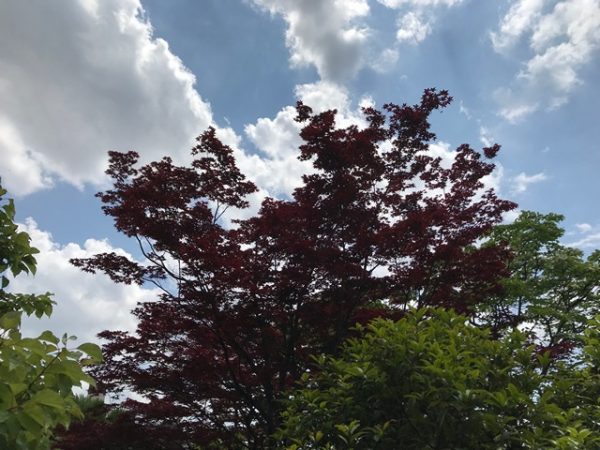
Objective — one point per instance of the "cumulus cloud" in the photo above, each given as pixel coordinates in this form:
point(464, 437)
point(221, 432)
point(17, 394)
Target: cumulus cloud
point(522, 181)
point(412, 28)
point(333, 36)
point(85, 304)
point(513, 105)
point(278, 169)
point(510, 216)
point(416, 18)
point(23, 169)
point(583, 227)
point(386, 60)
point(420, 3)
point(561, 41)
point(82, 78)
point(519, 19)
point(327, 34)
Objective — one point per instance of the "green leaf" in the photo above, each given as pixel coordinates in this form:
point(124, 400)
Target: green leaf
point(9, 209)
point(50, 337)
point(7, 397)
point(36, 413)
point(34, 345)
point(50, 398)
point(29, 423)
point(17, 388)
point(92, 350)
point(10, 320)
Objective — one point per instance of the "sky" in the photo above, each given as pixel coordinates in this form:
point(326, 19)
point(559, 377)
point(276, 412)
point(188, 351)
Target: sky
point(81, 77)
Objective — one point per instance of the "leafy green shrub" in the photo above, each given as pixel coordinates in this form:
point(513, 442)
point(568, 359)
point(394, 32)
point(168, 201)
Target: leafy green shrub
point(433, 381)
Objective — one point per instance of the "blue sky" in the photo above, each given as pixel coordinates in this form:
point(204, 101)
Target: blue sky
point(80, 77)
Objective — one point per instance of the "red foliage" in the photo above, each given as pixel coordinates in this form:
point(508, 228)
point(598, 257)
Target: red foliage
point(243, 308)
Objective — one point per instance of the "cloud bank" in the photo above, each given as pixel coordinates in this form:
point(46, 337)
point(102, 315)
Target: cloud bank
point(561, 40)
point(85, 304)
point(327, 34)
point(83, 78)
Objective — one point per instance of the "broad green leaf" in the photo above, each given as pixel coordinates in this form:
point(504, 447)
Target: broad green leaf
point(92, 350)
point(36, 413)
point(11, 319)
point(49, 398)
point(49, 336)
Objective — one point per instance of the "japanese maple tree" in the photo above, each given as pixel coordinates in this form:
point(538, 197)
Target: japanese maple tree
point(381, 225)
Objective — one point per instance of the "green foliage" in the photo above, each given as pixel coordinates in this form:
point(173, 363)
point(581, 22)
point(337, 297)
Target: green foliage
point(37, 375)
point(432, 381)
point(552, 289)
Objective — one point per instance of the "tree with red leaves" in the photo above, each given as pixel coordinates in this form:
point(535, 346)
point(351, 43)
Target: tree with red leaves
point(380, 226)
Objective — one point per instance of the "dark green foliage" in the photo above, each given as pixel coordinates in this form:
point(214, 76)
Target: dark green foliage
point(432, 381)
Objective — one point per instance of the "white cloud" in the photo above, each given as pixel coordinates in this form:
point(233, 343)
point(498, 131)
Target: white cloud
point(519, 19)
point(583, 227)
point(332, 35)
point(510, 216)
point(22, 169)
point(87, 77)
point(417, 17)
point(495, 179)
point(561, 40)
point(421, 3)
point(279, 170)
point(322, 96)
point(412, 28)
point(86, 303)
point(464, 110)
point(442, 150)
point(515, 105)
point(589, 236)
point(276, 137)
point(591, 242)
point(485, 137)
point(324, 33)
point(386, 60)
point(522, 181)
point(80, 78)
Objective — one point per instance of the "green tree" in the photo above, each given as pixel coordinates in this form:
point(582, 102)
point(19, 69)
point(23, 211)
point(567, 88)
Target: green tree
point(434, 381)
point(37, 375)
point(552, 289)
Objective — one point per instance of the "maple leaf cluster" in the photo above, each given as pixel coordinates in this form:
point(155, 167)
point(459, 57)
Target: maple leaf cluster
point(380, 226)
